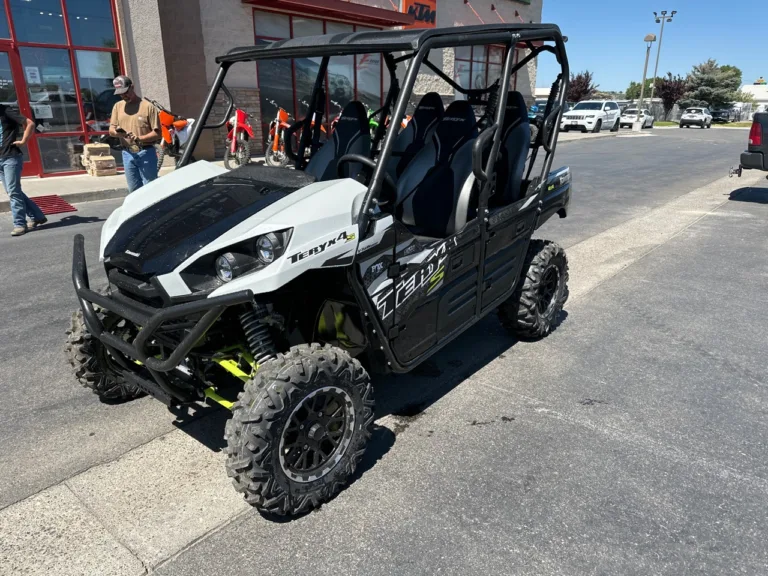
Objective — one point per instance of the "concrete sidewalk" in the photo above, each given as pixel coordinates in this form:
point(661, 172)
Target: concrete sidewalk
point(167, 504)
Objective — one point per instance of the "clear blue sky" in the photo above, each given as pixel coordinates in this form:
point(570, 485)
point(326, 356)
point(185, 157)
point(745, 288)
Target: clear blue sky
point(607, 38)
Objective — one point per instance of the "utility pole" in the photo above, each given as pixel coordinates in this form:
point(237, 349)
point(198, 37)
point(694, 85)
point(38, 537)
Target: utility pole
point(638, 125)
point(663, 18)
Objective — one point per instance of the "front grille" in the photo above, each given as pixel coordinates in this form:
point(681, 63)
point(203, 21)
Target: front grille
point(574, 117)
point(135, 286)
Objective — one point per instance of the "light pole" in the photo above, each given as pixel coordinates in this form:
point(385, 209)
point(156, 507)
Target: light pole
point(638, 125)
point(663, 18)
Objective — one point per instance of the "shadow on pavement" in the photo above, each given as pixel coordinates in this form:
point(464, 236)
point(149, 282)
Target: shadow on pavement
point(750, 194)
point(70, 221)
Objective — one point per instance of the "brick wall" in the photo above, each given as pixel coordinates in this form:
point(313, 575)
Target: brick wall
point(246, 99)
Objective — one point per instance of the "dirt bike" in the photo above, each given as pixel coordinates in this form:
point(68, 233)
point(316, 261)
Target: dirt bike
point(175, 133)
point(239, 132)
point(373, 122)
point(275, 154)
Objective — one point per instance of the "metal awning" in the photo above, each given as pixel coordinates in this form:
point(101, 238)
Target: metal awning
point(337, 10)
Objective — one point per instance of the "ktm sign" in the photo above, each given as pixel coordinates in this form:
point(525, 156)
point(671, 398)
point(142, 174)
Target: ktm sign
point(423, 12)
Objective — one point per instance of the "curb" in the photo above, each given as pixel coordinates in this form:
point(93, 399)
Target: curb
point(77, 197)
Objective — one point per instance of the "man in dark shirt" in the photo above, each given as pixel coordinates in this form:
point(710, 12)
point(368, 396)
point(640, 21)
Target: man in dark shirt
point(11, 161)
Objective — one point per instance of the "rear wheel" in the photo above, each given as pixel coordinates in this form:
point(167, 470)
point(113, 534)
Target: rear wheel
point(299, 429)
point(534, 308)
point(240, 157)
point(92, 363)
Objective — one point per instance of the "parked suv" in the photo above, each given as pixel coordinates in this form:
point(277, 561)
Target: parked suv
point(629, 117)
point(725, 115)
point(592, 116)
point(700, 117)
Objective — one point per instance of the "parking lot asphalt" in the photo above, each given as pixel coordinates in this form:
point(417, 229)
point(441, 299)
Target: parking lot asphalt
point(630, 441)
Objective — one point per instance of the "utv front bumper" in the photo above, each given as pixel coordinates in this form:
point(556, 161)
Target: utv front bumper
point(149, 319)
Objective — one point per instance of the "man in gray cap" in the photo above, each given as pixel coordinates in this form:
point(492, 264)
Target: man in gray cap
point(136, 123)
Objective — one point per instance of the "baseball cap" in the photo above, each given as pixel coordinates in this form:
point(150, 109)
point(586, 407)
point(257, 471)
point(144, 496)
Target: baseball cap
point(122, 84)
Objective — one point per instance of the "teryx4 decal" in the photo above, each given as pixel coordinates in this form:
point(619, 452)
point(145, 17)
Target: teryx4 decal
point(428, 277)
point(320, 248)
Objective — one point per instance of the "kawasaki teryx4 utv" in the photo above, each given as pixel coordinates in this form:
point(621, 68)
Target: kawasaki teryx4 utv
point(367, 256)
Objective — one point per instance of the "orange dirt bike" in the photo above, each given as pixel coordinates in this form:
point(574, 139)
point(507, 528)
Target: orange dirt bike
point(275, 154)
point(175, 132)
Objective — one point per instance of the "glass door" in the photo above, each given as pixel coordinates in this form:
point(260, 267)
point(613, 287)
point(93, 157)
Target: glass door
point(9, 96)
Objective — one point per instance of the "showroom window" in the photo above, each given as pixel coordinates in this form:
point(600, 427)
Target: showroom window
point(67, 53)
point(348, 77)
point(480, 66)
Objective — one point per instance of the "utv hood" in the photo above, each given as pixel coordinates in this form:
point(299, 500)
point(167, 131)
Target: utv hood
point(150, 236)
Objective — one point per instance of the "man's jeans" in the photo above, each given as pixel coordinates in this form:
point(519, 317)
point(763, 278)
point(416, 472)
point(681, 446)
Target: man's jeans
point(21, 206)
point(140, 167)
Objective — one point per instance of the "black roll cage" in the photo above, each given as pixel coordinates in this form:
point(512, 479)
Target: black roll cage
point(415, 47)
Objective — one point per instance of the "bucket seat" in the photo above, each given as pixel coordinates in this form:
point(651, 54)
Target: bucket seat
point(351, 136)
point(515, 143)
point(434, 192)
point(417, 132)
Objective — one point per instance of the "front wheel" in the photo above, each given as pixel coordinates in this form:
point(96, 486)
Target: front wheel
point(598, 127)
point(299, 429)
point(160, 149)
point(534, 308)
point(92, 362)
point(277, 157)
point(240, 157)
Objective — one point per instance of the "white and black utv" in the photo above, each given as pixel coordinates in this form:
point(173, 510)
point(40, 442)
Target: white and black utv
point(368, 255)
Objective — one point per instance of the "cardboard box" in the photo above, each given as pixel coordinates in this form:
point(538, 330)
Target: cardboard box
point(102, 166)
point(91, 150)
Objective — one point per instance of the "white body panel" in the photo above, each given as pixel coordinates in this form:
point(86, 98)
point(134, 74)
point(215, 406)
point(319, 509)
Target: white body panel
point(154, 192)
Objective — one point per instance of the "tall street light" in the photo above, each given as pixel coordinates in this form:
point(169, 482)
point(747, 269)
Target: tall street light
point(663, 18)
point(649, 39)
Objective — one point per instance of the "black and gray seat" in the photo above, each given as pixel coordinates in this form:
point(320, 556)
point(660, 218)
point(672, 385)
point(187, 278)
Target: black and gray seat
point(434, 193)
point(351, 136)
point(419, 130)
point(515, 142)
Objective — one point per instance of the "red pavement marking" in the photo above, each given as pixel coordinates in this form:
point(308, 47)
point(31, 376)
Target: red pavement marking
point(53, 204)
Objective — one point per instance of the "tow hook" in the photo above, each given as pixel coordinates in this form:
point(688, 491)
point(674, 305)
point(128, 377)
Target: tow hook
point(735, 171)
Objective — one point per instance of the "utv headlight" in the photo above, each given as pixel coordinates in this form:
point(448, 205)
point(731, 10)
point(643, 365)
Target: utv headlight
point(267, 247)
point(232, 264)
point(211, 270)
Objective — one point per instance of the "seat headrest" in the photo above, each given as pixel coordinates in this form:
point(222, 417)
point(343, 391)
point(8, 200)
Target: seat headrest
point(516, 110)
point(353, 120)
point(429, 108)
point(457, 126)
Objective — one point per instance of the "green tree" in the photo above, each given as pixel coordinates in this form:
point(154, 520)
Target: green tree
point(633, 92)
point(712, 85)
point(670, 90)
point(581, 86)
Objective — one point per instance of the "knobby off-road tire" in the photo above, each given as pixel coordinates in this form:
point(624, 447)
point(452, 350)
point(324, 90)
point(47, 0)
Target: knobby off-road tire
point(265, 446)
point(160, 149)
point(241, 157)
point(272, 160)
point(535, 306)
point(92, 365)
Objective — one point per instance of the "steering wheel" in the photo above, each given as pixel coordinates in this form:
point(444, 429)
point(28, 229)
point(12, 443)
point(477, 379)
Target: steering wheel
point(371, 166)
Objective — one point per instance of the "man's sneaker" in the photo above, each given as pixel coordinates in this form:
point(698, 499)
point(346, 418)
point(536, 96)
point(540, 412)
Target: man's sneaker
point(18, 231)
point(35, 223)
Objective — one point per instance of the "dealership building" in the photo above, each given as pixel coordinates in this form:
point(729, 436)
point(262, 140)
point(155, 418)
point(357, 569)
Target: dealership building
point(58, 57)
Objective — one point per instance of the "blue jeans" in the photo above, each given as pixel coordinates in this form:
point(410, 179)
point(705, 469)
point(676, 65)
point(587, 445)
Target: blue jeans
point(140, 167)
point(21, 206)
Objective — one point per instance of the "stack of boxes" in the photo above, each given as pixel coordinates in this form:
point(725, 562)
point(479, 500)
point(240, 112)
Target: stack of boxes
point(98, 161)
